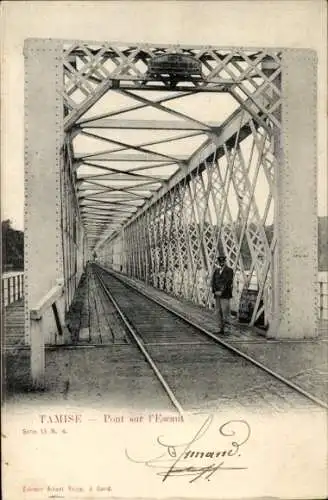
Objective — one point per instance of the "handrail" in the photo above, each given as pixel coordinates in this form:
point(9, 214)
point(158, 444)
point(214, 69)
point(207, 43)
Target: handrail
point(12, 283)
point(37, 333)
point(47, 301)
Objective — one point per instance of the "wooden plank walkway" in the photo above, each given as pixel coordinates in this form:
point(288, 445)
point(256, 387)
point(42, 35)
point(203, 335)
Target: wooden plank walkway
point(14, 324)
point(105, 325)
point(92, 319)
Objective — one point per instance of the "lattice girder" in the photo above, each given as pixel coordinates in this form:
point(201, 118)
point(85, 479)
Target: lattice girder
point(247, 74)
point(250, 76)
point(187, 226)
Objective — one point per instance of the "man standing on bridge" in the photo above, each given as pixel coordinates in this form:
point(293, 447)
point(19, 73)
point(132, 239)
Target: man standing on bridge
point(222, 282)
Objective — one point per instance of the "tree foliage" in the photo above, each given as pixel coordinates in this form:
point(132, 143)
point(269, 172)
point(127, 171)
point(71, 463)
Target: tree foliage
point(12, 247)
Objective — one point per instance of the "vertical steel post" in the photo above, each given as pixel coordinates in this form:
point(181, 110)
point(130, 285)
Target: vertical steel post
point(43, 143)
point(13, 289)
point(321, 300)
point(9, 292)
point(295, 307)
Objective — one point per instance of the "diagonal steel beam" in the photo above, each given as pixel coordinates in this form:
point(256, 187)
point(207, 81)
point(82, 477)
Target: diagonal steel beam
point(84, 107)
point(239, 119)
point(109, 187)
point(103, 218)
point(126, 145)
point(134, 169)
point(108, 156)
point(136, 107)
point(121, 176)
point(100, 211)
point(147, 167)
point(110, 197)
point(100, 201)
point(167, 140)
point(149, 125)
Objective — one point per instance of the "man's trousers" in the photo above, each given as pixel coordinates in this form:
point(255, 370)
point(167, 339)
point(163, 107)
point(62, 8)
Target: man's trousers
point(222, 310)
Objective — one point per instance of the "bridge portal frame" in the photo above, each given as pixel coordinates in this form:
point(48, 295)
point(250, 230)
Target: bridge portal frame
point(294, 263)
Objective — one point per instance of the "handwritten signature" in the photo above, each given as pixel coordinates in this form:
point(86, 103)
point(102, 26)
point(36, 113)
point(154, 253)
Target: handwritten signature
point(178, 458)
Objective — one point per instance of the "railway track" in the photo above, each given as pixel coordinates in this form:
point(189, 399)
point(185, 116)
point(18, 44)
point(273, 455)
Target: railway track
point(196, 369)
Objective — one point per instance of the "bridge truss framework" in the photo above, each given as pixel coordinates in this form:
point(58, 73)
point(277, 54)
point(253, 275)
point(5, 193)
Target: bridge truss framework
point(159, 216)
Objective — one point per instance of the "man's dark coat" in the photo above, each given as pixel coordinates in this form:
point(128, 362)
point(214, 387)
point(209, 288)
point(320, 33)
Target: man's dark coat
point(222, 281)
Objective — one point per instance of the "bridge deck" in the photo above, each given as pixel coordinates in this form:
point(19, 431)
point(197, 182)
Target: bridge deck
point(75, 372)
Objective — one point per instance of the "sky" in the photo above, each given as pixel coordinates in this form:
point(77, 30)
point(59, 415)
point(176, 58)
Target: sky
point(222, 23)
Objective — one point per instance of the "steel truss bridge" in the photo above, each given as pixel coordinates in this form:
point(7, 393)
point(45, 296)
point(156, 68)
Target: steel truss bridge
point(155, 179)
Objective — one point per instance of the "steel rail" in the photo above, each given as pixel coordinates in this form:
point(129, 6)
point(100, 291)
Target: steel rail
point(282, 379)
point(140, 345)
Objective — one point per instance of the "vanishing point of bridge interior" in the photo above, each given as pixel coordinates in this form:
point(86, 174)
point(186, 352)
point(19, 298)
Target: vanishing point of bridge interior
point(151, 160)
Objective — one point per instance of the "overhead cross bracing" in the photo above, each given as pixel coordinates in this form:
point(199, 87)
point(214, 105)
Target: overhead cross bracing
point(158, 172)
point(131, 132)
point(140, 158)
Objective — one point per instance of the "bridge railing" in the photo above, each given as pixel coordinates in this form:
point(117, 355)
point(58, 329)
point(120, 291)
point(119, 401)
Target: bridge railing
point(322, 293)
point(12, 287)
